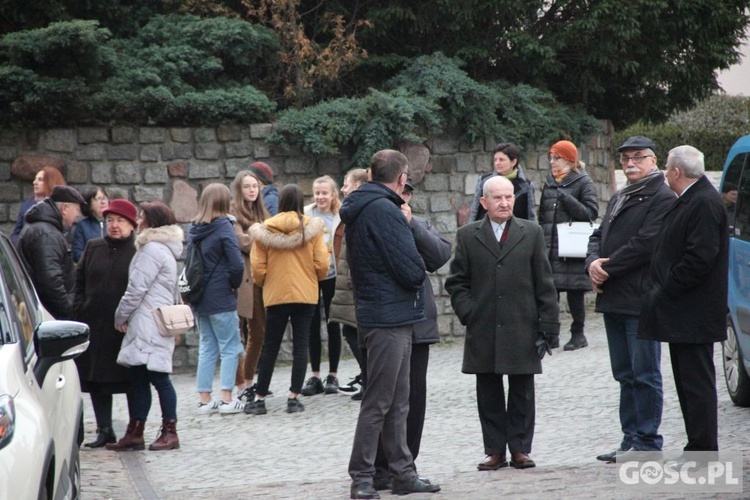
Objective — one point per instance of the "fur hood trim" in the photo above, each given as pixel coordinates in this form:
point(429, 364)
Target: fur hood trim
point(163, 234)
point(271, 237)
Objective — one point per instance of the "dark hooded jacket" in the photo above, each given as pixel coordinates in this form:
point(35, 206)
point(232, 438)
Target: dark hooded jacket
point(223, 266)
point(44, 252)
point(386, 268)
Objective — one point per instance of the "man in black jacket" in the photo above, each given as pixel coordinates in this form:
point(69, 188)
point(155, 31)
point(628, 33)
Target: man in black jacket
point(44, 250)
point(387, 274)
point(687, 305)
point(618, 260)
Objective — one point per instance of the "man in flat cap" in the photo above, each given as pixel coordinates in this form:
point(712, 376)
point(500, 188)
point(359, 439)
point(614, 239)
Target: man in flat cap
point(618, 261)
point(44, 250)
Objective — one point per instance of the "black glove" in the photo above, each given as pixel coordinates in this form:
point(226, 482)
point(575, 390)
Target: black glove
point(542, 344)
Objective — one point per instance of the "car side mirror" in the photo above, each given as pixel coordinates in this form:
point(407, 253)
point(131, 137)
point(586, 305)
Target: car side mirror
point(56, 341)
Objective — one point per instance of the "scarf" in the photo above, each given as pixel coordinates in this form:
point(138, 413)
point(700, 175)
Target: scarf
point(513, 175)
point(629, 190)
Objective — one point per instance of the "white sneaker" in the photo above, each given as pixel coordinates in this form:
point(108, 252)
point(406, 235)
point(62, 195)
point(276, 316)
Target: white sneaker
point(207, 408)
point(235, 406)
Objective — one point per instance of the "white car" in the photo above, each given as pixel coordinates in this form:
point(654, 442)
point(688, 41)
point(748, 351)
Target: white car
point(41, 411)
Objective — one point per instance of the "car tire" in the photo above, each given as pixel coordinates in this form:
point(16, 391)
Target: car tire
point(735, 375)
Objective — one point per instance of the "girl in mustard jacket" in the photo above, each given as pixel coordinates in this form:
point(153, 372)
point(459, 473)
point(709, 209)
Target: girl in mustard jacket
point(288, 258)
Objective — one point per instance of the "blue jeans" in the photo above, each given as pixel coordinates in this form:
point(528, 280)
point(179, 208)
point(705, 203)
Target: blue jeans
point(219, 336)
point(142, 379)
point(636, 365)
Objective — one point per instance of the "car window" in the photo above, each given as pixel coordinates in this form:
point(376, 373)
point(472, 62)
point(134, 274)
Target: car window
point(740, 218)
point(20, 297)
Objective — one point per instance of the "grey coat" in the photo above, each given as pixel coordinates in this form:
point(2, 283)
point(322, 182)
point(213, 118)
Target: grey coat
point(504, 296)
point(152, 282)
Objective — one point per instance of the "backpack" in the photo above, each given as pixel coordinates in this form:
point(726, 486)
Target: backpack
point(192, 281)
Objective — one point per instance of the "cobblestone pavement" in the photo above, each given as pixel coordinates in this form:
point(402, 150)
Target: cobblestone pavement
point(305, 455)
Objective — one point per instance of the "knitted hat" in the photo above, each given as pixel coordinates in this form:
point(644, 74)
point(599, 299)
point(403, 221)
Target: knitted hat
point(262, 171)
point(66, 194)
point(123, 208)
point(565, 150)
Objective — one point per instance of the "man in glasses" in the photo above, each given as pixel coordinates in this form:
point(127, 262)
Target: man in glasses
point(618, 261)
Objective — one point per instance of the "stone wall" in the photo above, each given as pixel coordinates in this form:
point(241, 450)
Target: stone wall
point(173, 164)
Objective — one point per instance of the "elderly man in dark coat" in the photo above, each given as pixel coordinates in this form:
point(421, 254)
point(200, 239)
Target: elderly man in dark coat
point(687, 306)
point(502, 289)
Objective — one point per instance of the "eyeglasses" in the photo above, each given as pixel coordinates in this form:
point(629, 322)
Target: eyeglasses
point(636, 159)
point(101, 199)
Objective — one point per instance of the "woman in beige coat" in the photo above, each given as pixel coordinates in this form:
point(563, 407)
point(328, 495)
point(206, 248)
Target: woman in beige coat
point(248, 208)
point(289, 257)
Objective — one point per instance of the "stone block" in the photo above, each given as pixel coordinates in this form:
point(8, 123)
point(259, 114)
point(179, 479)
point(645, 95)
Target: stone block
point(177, 169)
point(419, 204)
point(6, 215)
point(150, 135)
point(470, 183)
point(456, 182)
point(445, 325)
point(208, 151)
point(78, 173)
point(331, 166)
point(8, 153)
point(484, 163)
point(127, 173)
point(184, 202)
point(445, 222)
point(261, 151)
point(123, 135)
point(464, 163)
point(205, 170)
point(302, 165)
point(234, 165)
point(436, 182)
point(9, 192)
point(87, 135)
point(91, 152)
point(204, 135)
point(176, 152)
point(149, 153)
point(445, 145)
point(9, 137)
point(101, 173)
point(4, 171)
point(26, 167)
point(443, 164)
point(181, 134)
point(419, 159)
point(260, 130)
point(122, 152)
point(147, 193)
point(238, 150)
point(59, 140)
point(440, 202)
point(467, 148)
point(229, 133)
point(154, 174)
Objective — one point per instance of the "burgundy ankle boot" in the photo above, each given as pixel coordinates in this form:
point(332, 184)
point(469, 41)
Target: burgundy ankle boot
point(167, 439)
point(133, 438)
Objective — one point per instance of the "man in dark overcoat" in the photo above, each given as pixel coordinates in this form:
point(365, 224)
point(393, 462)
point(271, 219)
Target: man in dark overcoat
point(502, 290)
point(687, 305)
point(618, 262)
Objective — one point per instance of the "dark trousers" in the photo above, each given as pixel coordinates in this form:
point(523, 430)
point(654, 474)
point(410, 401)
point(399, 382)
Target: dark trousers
point(142, 379)
point(420, 356)
point(384, 407)
point(695, 379)
point(350, 335)
point(102, 404)
point(513, 428)
point(326, 289)
point(277, 318)
point(577, 309)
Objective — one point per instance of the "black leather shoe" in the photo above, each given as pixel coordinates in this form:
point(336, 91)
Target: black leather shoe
point(363, 491)
point(414, 485)
point(104, 436)
point(611, 457)
point(381, 483)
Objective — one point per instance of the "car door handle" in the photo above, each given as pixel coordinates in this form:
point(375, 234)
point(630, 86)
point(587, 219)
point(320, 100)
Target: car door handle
point(60, 382)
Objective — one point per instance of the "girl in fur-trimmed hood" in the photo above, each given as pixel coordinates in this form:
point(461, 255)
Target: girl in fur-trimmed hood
point(288, 258)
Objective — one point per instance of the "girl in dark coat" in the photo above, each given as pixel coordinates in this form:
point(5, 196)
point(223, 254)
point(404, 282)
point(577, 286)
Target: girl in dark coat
point(92, 225)
point(568, 195)
point(101, 280)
